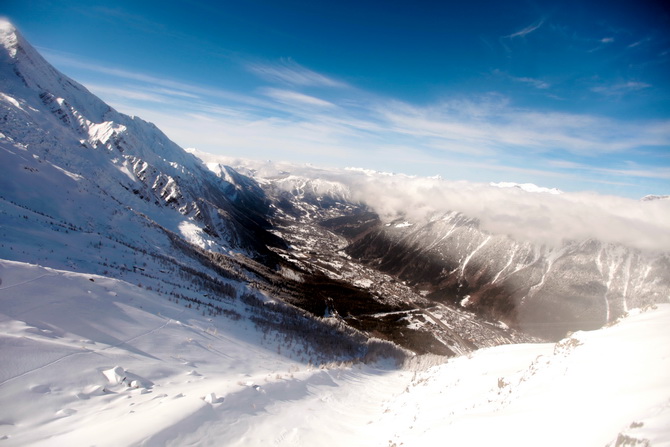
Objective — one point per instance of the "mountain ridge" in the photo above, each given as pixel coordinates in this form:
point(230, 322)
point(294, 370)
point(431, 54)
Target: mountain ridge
point(145, 162)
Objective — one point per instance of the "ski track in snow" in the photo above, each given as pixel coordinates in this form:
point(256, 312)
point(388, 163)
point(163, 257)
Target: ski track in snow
point(26, 281)
point(85, 352)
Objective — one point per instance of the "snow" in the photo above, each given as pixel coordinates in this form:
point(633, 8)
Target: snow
point(528, 187)
point(108, 363)
point(194, 234)
point(11, 100)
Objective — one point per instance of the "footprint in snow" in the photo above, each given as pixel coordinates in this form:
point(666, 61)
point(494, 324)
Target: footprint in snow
point(91, 390)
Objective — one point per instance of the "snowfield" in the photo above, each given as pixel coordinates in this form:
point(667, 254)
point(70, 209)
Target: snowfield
point(89, 360)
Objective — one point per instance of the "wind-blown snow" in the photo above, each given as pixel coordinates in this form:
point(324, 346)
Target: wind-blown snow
point(92, 360)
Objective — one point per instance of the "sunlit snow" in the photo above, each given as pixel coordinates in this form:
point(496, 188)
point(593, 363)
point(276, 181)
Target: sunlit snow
point(92, 360)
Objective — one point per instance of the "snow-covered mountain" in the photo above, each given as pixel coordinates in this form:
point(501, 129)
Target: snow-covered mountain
point(57, 132)
point(121, 191)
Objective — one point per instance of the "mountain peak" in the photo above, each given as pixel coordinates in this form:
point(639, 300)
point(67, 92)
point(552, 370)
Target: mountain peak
point(21, 67)
point(6, 27)
point(653, 197)
point(528, 187)
point(9, 37)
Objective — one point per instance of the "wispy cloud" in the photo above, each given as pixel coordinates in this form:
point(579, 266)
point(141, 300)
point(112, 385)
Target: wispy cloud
point(620, 88)
point(527, 30)
point(504, 128)
point(293, 97)
point(537, 83)
point(177, 88)
point(639, 42)
point(308, 120)
point(534, 82)
point(601, 43)
point(631, 171)
point(129, 93)
point(287, 71)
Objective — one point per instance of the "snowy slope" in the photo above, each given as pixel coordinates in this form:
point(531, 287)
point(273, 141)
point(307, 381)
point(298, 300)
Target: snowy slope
point(97, 361)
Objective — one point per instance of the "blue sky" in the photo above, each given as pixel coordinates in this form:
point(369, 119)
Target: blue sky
point(570, 94)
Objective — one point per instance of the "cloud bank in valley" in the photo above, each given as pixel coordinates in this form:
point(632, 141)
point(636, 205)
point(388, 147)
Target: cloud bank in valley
point(524, 216)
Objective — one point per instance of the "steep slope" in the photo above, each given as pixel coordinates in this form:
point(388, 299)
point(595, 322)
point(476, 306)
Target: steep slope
point(48, 120)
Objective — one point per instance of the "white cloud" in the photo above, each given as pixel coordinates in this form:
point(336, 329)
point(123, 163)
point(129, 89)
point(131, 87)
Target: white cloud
point(527, 30)
point(292, 97)
point(178, 88)
point(639, 42)
point(500, 127)
point(128, 93)
point(537, 83)
point(620, 88)
point(537, 218)
point(288, 71)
